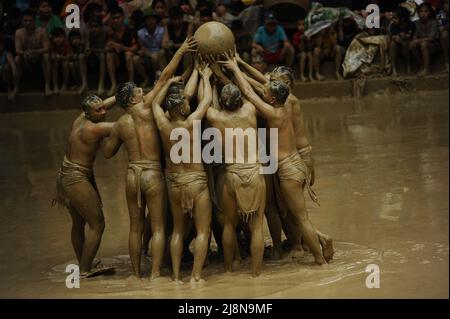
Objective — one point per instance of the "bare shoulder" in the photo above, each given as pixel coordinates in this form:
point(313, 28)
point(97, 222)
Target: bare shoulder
point(249, 107)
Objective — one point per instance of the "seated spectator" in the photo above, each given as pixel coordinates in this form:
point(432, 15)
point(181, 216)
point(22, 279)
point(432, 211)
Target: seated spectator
point(95, 49)
point(326, 48)
point(46, 18)
point(401, 31)
point(243, 40)
point(442, 18)
point(222, 15)
point(59, 51)
point(7, 70)
point(271, 42)
point(32, 47)
point(9, 28)
point(425, 42)
point(188, 11)
point(303, 48)
point(160, 8)
point(121, 48)
point(151, 50)
point(77, 59)
point(176, 32)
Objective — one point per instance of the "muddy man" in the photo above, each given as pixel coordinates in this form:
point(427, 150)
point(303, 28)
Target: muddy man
point(75, 186)
point(292, 169)
point(145, 185)
point(242, 192)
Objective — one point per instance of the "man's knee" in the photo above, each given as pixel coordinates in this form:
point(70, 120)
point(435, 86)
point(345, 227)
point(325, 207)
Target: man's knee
point(98, 224)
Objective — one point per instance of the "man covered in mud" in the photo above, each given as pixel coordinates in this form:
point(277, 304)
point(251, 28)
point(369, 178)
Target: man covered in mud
point(145, 181)
point(277, 207)
point(292, 169)
point(75, 186)
point(242, 193)
point(187, 181)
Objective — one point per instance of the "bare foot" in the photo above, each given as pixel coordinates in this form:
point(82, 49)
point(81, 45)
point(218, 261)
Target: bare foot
point(64, 89)
point(320, 77)
point(276, 254)
point(197, 281)
point(311, 78)
point(12, 95)
point(178, 281)
point(112, 91)
point(327, 248)
point(394, 72)
point(48, 92)
point(82, 89)
point(423, 72)
point(339, 76)
point(303, 79)
point(101, 90)
point(297, 253)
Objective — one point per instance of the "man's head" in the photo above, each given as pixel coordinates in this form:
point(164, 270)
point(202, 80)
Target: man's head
point(270, 22)
point(284, 74)
point(92, 9)
point(175, 102)
point(276, 93)
point(186, 7)
point(128, 94)
point(95, 25)
point(136, 19)
point(117, 17)
point(231, 97)
point(58, 36)
point(176, 16)
point(159, 6)
point(45, 9)
point(301, 25)
point(151, 19)
point(28, 19)
point(75, 38)
point(425, 11)
point(205, 16)
point(221, 9)
point(94, 108)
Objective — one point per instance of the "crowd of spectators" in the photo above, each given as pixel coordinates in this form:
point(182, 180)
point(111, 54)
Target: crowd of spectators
point(135, 39)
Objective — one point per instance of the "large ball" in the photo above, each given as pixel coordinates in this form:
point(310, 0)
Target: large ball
point(214, 38)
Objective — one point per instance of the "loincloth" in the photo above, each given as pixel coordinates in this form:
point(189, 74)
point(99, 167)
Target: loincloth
point(144, 171)
point(305, 154)
point(294, 167)
point(71, 173)
point(190, 185)
point(248, 187)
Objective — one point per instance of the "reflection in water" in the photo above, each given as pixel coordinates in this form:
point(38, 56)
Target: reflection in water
point(382, 178)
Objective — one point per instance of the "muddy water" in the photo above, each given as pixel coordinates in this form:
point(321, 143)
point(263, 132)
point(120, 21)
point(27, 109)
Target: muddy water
point(382, 179)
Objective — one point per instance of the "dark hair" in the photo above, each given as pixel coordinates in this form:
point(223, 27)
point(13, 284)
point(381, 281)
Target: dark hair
point(116, 10)
point(28, 12)
point(156, 1)
point(58, 32)
point(124, 93)
point(284, 72)
point(237, 25)
point(202, 3)
point(173, 100)
point(74, 33)
point(87, 102)
point(280, 90)
point(42, 1)
point(137, 15)
point(175, 12)
point(95, 20)
point(89, 11)
point(205, 13)
point(402, 13)
point(231, 97)
point(428, 6)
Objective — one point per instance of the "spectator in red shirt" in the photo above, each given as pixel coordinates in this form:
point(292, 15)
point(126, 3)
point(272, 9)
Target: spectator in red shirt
point(303, 48)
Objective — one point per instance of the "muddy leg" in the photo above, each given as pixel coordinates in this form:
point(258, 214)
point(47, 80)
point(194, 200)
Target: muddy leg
point(77, 233)
point(229, 230)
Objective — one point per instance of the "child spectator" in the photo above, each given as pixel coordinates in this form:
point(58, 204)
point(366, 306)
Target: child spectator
point(121, 48)
point(150, 40)
point(59, 51)
point(401, 31)
point(46, 18)
point(222, 15)
point(160, 8)
point(442, 18)
point(243, 40)
point(188, 11)
point(32, 47)
point(77, 59)
point(326, 48)
point(303, 47)
point(425, 42)
point(271, 42)
point(176, 32)
point(95, 49)
point(8, 70)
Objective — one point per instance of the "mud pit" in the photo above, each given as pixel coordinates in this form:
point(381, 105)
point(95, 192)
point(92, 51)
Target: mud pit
point(382, 180)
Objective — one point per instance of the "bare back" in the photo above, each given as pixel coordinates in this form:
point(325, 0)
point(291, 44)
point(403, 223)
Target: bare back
point(138, 131)
point(286, 133)
point(85, 140)
point(296, 114)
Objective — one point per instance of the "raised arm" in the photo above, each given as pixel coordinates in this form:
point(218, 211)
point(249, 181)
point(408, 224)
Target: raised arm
point(187, 46)
point(267, 110)
point(254, 73)
point(111, 144)
point(205, 102)
point(109, 102)
point(191, 85)
point(158, 113)
point(215, 98)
